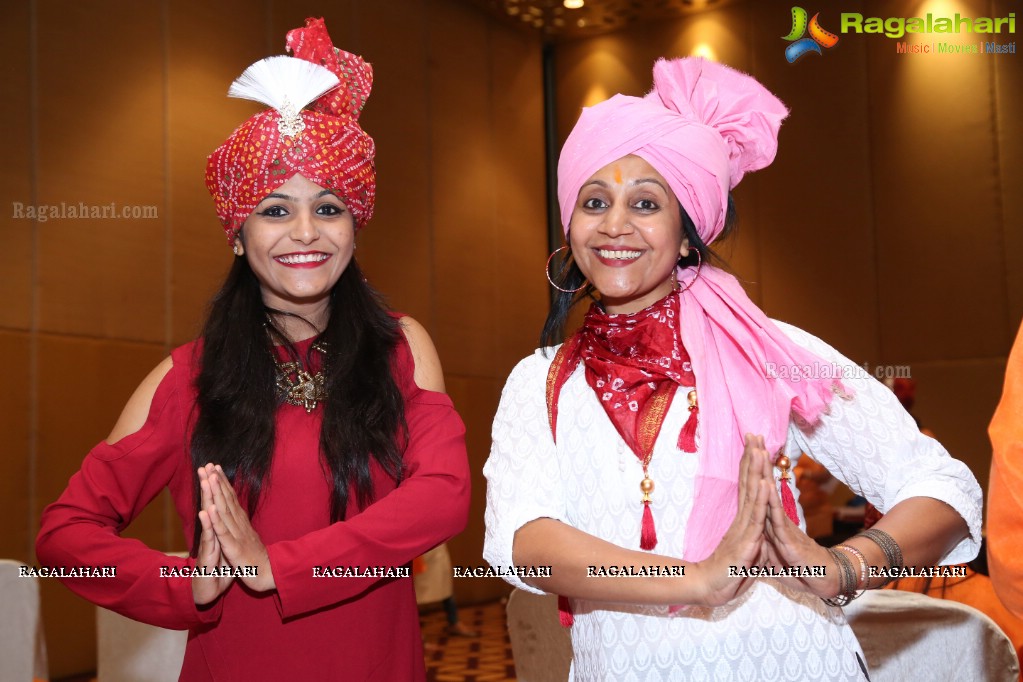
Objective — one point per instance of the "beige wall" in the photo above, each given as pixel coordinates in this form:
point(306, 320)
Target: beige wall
point(117, 101)
point(891, 223)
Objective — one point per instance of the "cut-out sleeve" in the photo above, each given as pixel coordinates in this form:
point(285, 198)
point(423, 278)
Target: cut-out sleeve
point(115, 482)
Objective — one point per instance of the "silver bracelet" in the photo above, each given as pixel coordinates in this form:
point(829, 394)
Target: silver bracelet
point(891, 549)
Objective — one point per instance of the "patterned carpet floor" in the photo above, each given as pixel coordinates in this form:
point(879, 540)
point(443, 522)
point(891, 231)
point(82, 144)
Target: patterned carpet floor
point(469, 659)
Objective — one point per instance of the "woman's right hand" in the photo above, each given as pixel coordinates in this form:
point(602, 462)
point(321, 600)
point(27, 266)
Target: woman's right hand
point(742, 544)
point(572, 554)
point(207, 589)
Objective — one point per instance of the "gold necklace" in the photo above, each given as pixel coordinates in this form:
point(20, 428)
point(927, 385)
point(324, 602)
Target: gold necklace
point(296, 386)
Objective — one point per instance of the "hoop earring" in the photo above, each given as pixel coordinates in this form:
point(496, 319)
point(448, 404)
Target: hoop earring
point(699, 264)
point(547, 271)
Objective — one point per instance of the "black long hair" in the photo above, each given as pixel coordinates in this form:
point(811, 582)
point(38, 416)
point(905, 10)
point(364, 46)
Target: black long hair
point(569, 276)
point(363, 416)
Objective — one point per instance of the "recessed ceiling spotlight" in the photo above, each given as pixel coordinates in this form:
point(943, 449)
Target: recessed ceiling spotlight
point(573, 4)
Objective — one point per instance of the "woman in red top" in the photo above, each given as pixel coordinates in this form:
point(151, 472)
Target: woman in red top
point(305, 437)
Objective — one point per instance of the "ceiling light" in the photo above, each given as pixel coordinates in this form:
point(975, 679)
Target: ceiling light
point(573, 4)
point(704, 50)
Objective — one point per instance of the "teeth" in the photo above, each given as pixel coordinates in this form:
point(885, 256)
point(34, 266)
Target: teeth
point(619, 255)
point(302, 258)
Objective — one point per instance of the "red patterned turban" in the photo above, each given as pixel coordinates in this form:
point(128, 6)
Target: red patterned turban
point(323, 143)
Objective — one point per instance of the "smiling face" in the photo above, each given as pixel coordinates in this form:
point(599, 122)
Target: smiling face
point(626, 234)
point(298, 241)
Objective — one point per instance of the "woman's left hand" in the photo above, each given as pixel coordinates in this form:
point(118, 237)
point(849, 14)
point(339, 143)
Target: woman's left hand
point(239, 541)
point(787, 545)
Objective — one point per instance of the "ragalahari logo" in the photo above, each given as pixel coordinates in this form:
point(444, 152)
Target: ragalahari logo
point(818, 36)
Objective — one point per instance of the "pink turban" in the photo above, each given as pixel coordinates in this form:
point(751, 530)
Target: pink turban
point(703, 127)
point(333, 150)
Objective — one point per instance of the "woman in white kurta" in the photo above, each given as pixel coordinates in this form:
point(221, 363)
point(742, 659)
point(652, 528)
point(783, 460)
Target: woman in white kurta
point(568, 459)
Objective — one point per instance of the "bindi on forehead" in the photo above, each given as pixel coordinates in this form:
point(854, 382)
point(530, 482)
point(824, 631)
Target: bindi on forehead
point(618, 174)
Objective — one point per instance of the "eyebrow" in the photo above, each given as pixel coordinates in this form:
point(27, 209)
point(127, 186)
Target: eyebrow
point(287, 197)
point(633, 183)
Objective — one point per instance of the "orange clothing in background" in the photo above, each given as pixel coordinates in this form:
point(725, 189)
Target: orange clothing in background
point(1005, 491)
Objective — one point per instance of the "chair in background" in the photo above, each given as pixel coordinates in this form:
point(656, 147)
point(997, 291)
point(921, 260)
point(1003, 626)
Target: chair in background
point(130, 651)
point(22, 646)
point(908, 636)
point(542, 649)
point(905, 636)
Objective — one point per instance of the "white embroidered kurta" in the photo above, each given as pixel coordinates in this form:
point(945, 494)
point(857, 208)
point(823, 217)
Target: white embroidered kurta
point(590, 480)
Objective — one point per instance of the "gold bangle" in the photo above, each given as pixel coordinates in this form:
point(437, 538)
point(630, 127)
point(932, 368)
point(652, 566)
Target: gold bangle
point(846, 580)
point(863, 582)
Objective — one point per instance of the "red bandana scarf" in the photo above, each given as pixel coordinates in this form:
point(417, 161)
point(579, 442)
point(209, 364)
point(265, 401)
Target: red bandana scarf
point(634, 363)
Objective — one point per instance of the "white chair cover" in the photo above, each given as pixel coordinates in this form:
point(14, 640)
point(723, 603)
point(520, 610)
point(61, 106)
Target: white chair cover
point(435, 583)
point(909, 636)
point(130, 651)
point(22, 646)
point(542, 649)
point(905, 636)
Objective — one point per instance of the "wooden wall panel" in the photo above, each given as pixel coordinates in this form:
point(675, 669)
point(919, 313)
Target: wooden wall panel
point(476, 400)
point(959, 417)
point(17, 538)
point(16, 174)
point(590, 71)
point(813, 214)
point(461, 166)
point(935, 183)
point(395, 249)
point(519, 218)
point(100, 141)
point(203, 59)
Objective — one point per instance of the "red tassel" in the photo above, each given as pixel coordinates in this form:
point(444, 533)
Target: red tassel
point(565, 612)
point(687, 437)
point(789, 502)
point(648, 538)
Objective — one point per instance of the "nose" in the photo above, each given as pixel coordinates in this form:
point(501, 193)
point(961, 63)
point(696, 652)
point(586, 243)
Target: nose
point(616, 221)
point(304, 228)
